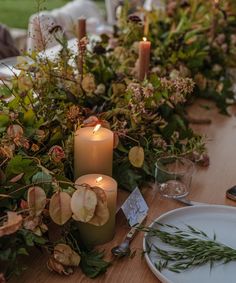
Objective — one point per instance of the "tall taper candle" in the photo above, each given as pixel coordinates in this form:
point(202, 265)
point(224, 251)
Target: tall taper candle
point(144, 58)
point(93, 151)
point(81, 28)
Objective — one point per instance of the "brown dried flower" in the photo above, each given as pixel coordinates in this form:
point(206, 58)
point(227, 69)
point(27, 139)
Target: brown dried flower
point(34, 147)
point(73, 114)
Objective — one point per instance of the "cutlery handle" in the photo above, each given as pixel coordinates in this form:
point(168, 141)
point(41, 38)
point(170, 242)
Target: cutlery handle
point(129, 237)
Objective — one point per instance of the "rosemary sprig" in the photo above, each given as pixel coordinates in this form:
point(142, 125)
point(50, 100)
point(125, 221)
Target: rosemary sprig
point(190, 247)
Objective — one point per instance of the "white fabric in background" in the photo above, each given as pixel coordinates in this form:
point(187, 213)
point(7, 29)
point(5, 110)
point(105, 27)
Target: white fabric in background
point(66, 16)
point(111, 6)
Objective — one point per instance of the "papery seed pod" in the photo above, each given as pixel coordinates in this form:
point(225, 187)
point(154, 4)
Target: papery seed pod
point(14, 131)
point(53, 265)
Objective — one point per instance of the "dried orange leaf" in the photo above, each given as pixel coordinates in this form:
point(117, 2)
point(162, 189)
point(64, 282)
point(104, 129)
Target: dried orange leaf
point(101, 214)
point(53, 265)
point(36, 200)
point(12, 224)
point(83, 203)
point(65, 255)
point(59, 208)
point(136, 156)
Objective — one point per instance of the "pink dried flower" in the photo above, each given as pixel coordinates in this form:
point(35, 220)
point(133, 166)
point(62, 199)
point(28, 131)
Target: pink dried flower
point(56, 153)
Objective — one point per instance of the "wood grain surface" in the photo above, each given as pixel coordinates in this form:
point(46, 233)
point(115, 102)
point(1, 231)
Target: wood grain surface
point(209, 185)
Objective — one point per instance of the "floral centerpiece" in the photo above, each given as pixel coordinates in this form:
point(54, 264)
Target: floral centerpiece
point(41, 108)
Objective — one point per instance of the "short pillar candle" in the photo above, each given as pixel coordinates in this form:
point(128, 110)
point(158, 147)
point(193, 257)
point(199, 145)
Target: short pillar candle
point(95, 235)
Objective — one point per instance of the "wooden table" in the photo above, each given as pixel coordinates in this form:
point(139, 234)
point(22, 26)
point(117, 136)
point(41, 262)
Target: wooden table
point(209, 185)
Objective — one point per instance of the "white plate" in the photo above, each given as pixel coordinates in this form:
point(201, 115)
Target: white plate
point(209, 218)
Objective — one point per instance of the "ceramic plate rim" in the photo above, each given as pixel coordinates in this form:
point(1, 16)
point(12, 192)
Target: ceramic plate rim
point(157, 273)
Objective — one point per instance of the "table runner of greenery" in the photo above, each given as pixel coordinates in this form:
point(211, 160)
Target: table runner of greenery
point(193, 45)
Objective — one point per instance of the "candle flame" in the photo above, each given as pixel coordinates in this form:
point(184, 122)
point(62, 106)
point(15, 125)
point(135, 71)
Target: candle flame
point(144, 39)
point(96, 128)
point(99, 179)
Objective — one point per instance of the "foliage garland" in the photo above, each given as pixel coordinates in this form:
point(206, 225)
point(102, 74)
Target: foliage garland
point(41, 108)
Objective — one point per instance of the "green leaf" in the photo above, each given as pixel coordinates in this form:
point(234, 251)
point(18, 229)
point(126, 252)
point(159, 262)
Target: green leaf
point(22, 251)
point(57, 137)
point(5, 254)
point(14, 103)
point(4, 120)
point(29, 117)
point(18, 164)
point(41, 177)
point(92, 263)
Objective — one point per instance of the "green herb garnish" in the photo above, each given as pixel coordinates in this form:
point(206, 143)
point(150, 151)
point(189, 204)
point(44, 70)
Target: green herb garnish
point(189, 247)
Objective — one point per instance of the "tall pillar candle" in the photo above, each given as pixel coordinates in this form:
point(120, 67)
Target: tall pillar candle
point(93, 151)
point(95, 235)
point(144, 58)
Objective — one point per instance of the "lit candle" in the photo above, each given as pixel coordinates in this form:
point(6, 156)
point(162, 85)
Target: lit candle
point(94, 235)
point(144, 58)
point(93, 151)
point(81, 28)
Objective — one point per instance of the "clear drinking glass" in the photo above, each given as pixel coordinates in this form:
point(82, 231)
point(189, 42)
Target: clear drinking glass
point(173, 176)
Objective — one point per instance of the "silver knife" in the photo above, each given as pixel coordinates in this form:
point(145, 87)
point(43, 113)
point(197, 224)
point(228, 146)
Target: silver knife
point(190, 202)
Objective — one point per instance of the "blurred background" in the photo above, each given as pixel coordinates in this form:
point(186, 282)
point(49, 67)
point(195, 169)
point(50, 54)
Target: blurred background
point(15, 15)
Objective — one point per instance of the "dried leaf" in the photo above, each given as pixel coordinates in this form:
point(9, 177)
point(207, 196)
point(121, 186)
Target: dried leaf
point(59, 208)
point(116, 140)
point(65, 255)
point(91, 121)
point(53, 265)
point(83, 203)
point(14, 131)
point(12, 224)
point(136, 156)
point(31, 222)
point(36, 200)
point(101, 214)
point(17, 178)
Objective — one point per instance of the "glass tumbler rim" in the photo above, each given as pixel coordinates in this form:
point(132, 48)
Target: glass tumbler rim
point(186, 160)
